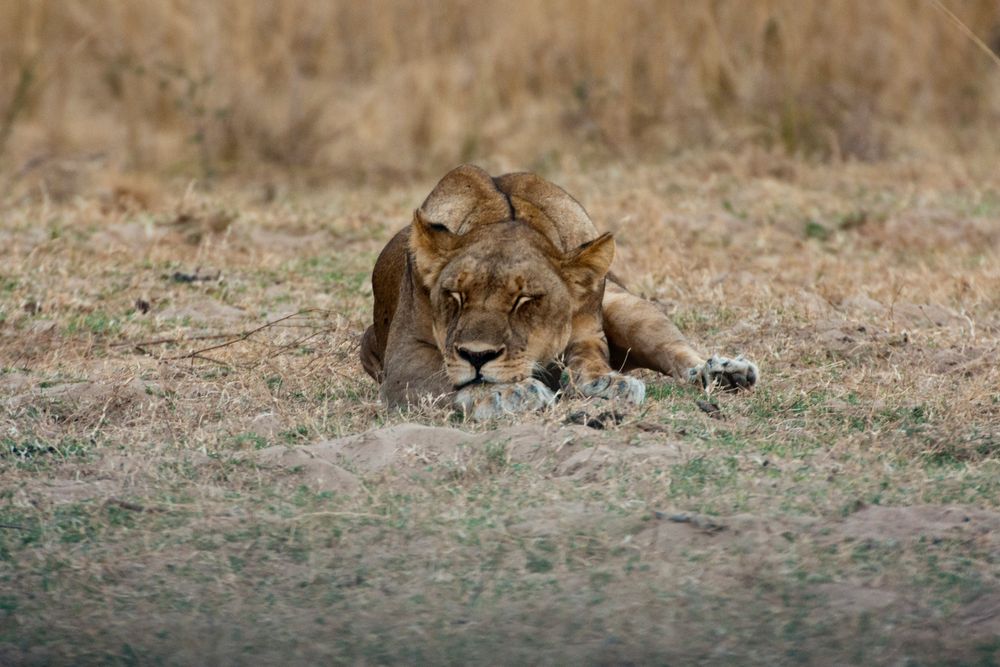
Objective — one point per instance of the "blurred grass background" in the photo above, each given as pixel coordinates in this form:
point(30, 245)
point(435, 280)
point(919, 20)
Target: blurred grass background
point(409, 88)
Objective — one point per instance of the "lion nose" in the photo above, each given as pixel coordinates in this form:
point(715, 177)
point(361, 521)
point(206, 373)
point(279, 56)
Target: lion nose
point(479, 358)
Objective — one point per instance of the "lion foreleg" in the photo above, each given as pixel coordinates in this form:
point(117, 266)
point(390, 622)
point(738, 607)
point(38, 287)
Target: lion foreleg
point(371, 357)
point(641, 335)
point(588, 371)
point(413, 371)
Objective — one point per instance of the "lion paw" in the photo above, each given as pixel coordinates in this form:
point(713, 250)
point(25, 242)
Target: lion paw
point(731, 374)
point(488, 401)
point(615, 387)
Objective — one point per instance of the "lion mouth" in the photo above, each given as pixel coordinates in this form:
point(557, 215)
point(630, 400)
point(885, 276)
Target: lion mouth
point(486, 376)
point(479, 379)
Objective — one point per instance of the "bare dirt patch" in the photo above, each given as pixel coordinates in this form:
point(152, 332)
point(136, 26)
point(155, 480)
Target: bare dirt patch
point(922, 522)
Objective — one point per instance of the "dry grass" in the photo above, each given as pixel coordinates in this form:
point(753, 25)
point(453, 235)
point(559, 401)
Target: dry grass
point(359, 89)
point(145, 517)
point(812, 184)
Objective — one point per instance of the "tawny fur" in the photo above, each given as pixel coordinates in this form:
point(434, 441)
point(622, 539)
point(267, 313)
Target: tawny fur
point(511, 269)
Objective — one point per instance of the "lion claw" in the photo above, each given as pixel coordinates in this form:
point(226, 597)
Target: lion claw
point(488, 401)
point(616, 387)
point(730, 374)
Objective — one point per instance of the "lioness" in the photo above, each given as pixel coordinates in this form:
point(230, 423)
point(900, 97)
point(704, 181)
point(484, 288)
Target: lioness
point(499, 292)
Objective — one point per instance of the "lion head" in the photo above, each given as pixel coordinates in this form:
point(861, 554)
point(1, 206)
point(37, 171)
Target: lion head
point(502, 296)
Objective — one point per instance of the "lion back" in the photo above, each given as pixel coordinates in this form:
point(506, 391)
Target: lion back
point(549, 209)
point(468, 197)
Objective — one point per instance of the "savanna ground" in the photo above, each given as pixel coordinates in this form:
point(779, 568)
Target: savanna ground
point(182, 479)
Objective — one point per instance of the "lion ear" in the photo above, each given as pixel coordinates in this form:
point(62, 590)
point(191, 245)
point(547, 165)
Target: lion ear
point(464, 198)
point(432, 245)
point(586, 266)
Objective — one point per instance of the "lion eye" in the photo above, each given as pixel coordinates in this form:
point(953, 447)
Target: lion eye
point(521, 300)
point(457, 296)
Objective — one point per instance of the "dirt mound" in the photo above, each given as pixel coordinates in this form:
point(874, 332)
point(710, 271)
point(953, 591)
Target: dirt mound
point(400, 446)
point(414, 450)
point(60, 491)
point(317, 472)
point(928, 522)
point(67, 398)
point(335, 465)
point(405, 449)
